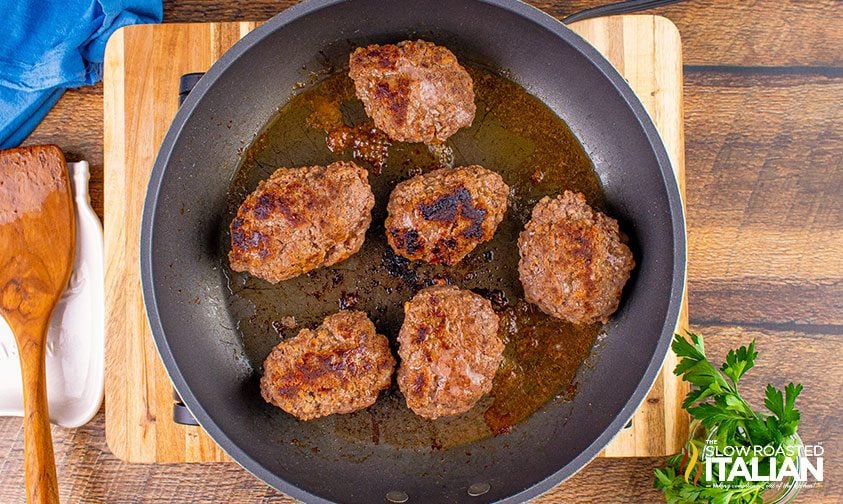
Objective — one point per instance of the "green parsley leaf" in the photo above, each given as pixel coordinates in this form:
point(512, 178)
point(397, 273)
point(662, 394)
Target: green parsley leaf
point(715, 402)
point(783, 407)
point(739, 362)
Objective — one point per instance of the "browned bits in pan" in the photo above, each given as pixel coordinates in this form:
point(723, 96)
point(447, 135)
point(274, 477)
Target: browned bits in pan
point(366, 142)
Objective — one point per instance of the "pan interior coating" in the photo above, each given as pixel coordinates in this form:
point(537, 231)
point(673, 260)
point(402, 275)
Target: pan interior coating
point(194, 318)
point(513, 134)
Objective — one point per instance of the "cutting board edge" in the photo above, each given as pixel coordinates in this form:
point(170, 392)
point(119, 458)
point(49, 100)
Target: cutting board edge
point(120, 447)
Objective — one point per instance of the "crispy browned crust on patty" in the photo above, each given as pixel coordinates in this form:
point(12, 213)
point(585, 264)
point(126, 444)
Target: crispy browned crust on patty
point(339, 367)
point(441, 216)
point(301, 219)
point(573, 264)
point(450, 351)
point(414, 91)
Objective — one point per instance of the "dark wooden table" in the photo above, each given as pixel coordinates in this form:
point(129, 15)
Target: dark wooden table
point(764, 143)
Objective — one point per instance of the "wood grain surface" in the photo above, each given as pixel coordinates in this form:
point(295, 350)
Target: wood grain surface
point(716, 32)
point(142, 68)
point(37, 247)
point(763, 87)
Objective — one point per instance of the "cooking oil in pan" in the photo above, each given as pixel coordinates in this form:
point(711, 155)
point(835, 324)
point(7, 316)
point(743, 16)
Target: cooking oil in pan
point(513, 134)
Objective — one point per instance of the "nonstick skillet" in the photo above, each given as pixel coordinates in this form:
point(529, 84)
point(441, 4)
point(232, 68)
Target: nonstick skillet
point(186, 210)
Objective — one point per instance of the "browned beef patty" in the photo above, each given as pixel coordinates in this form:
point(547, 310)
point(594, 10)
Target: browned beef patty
point(301, 219)
point(573, 263)
point(415, 91)
point(441, 216)
point(449, 349)
point(338, 368)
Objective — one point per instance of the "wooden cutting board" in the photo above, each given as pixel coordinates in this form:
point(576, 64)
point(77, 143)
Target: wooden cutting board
point(142, 69)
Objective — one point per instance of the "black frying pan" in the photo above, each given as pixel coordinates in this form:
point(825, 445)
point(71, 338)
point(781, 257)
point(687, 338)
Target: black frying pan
point(180, 254)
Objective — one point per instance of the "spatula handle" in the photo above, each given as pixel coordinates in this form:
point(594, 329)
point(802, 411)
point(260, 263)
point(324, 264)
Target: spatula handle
point(39, 462)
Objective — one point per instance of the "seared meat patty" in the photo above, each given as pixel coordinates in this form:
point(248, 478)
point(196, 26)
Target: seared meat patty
point(338, 368)
point(413, 91)
point(450, 351)
point(573, 264)
point(440, 216)
point(301, 219)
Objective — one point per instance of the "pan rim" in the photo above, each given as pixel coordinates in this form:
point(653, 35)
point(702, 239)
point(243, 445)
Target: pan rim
point(518, 8)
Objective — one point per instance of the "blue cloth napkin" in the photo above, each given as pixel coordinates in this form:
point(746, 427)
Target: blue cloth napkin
point(48, 46)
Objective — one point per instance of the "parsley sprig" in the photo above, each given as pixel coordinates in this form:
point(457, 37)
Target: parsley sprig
point(715, 401)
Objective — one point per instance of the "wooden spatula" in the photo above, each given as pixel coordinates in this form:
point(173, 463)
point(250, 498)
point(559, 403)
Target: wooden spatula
point(37, 245)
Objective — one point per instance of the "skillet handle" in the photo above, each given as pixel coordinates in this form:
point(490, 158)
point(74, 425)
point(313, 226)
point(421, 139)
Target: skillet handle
point(182, 415)
point(186, 84)
point(615, 9)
